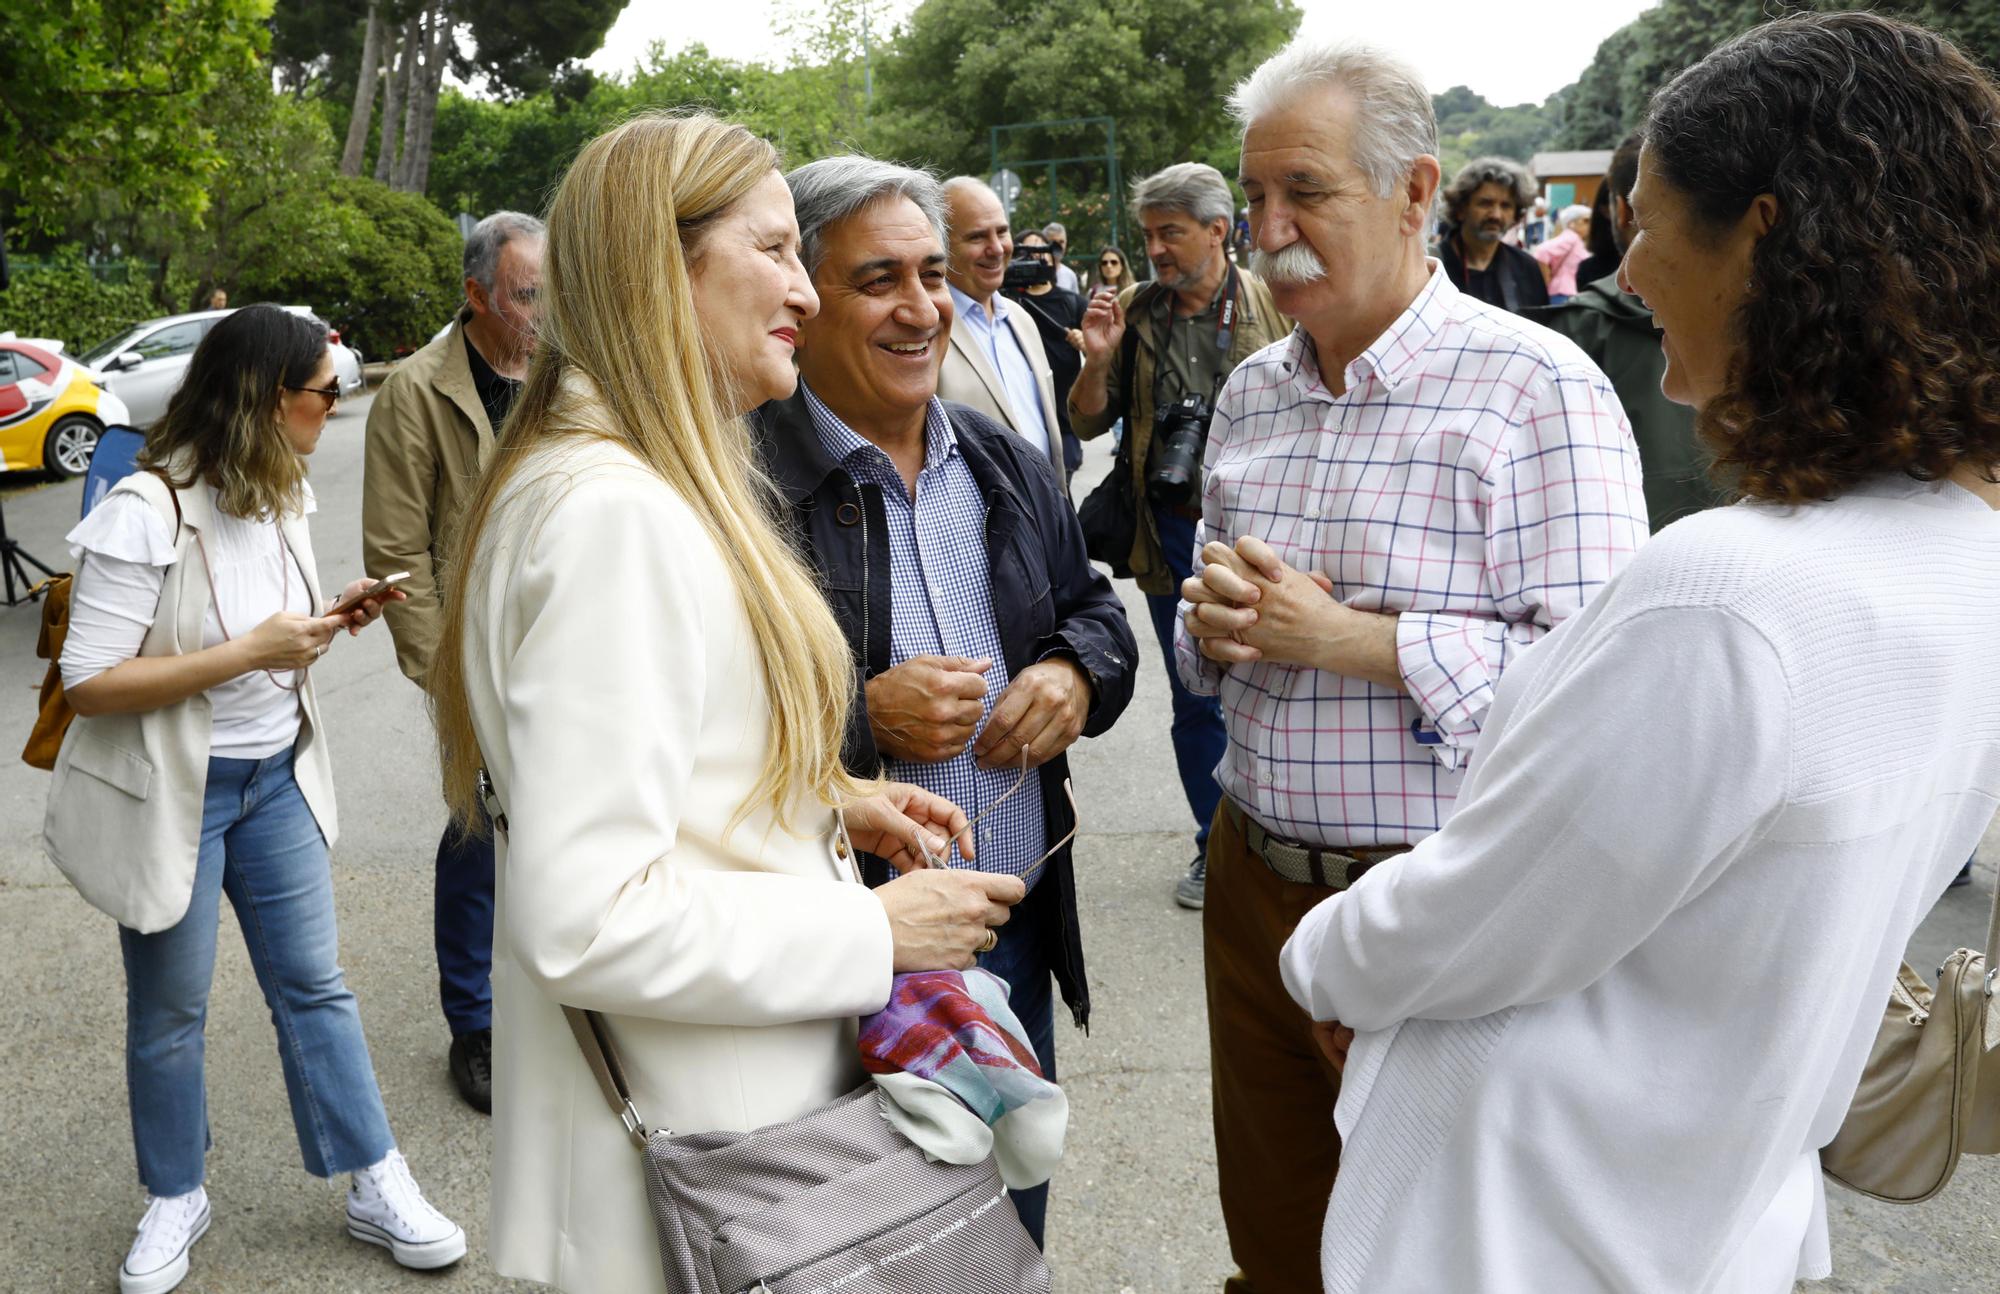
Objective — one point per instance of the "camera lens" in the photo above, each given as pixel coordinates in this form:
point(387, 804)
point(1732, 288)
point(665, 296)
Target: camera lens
point(1181, 430)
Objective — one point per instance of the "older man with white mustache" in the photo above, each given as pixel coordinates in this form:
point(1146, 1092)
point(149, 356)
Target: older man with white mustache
point(1398, 500)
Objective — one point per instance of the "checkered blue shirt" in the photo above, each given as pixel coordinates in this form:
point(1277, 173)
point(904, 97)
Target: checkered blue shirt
point(1478, 477)
point(943, 606)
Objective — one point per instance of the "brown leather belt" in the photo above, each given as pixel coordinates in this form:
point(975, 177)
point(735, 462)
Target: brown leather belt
point(1304, 864)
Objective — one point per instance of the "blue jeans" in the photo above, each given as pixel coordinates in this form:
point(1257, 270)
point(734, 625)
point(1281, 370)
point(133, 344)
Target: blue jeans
point(1199, 738)
point(1022, 959)
point(261, 846)
point(462, 930)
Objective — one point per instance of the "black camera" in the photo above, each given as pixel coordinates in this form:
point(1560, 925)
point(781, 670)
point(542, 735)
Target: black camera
point(1025, 272)
point(1181, 431)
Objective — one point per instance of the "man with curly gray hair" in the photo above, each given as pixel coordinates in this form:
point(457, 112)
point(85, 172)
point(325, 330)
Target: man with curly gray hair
point(1481, 204)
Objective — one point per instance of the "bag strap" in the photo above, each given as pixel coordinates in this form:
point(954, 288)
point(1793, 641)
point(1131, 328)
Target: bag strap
point(175, 495)
point(592, 1033)
point(1993, 940)
point(1128, 358)
point(593, 1039)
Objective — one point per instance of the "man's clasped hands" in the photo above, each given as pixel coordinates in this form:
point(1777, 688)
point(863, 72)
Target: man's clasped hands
point(1248, 604)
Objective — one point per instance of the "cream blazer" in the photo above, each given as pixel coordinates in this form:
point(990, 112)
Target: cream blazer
point(621, 712)
point(124, 814)
point(968, 377)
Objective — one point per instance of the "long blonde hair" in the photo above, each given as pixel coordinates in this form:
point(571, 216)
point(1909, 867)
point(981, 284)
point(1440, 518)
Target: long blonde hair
point(617, 306)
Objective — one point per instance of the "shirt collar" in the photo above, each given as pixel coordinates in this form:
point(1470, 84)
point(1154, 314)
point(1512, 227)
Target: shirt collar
point(1391, 356)
point(1396, 350)
point(969, 308)
point(842, 443)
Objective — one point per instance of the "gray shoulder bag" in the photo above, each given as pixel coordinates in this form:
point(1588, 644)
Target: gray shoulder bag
point(834, 1200)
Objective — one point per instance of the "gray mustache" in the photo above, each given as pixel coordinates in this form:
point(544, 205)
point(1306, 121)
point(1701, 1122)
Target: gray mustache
point(1297, 263)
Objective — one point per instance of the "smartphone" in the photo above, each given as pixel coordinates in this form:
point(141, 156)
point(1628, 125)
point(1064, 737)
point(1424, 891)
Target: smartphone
point(375, 590)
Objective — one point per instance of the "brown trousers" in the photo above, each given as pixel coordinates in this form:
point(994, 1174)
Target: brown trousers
point(1276, 1150)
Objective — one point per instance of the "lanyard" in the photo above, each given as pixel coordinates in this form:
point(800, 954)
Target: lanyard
point(1225, 331)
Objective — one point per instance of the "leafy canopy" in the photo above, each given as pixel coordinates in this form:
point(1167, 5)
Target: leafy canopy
point(107, 93)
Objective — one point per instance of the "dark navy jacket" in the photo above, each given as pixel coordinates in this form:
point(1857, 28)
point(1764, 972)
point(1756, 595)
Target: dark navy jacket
point(1046, 597)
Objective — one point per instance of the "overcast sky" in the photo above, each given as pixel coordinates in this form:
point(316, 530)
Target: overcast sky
point(1519, 53)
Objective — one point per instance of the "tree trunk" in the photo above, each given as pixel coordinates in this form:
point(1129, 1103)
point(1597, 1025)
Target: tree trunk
point(417, 148)
point(364, 94)
point(394, 93)
point(418, 42)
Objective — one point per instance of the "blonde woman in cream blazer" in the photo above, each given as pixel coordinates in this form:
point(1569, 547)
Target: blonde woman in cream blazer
point(630, 651)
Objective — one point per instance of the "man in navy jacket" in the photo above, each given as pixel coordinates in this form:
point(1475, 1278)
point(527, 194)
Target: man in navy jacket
point(984, 641)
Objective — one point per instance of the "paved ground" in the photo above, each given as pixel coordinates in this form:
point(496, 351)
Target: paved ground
point(1133, 1209)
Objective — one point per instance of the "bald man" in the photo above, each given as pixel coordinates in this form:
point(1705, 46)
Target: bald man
point(995, 362)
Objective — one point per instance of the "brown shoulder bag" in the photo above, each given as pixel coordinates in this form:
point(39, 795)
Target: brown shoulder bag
point(52, 718)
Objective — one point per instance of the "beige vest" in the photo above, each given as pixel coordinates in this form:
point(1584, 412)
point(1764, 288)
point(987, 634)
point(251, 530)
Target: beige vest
point(124, 813)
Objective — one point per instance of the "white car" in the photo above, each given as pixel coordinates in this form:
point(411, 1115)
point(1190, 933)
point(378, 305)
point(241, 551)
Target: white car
point(144, 364)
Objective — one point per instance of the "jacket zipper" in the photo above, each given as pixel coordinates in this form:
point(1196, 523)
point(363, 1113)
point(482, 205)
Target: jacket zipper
point(867, 592)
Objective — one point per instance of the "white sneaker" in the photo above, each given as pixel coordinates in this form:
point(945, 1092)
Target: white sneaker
point(386, 1208)
point(158, 1259)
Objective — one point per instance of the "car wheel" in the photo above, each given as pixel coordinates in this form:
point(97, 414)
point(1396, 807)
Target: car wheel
point(70, 444)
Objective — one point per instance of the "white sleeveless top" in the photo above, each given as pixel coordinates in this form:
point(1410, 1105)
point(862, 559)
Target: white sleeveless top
point(125, 547)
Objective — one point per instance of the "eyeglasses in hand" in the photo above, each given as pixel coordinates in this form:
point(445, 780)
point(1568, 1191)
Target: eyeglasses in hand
point(1034, 869)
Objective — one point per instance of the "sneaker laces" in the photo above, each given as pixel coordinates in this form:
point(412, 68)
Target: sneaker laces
point(163, 1229)
point(1198, 869)
point(391, 1183)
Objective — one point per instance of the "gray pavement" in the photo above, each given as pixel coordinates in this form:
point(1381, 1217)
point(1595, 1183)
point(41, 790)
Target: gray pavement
point(1133, 1208)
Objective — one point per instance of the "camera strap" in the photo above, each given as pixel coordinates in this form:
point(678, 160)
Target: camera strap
point(1225, 332)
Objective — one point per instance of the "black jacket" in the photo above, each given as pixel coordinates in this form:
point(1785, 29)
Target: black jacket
point(1046, 596)
point(1514, 275)
point(1055, 312)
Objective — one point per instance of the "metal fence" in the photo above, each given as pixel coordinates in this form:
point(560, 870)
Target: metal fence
point(126, 270)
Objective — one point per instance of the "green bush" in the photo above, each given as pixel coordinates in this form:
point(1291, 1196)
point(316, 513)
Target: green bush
point(381, 266)
point(63, 299)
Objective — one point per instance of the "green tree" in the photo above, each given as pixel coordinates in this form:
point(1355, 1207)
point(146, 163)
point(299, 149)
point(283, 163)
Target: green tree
point(492, 155)
point(382, 266)
point(106, 95)
point(1469, 127)
point(276, 152)
point(338, 49)
point(1161, 68)
point(1609, 99)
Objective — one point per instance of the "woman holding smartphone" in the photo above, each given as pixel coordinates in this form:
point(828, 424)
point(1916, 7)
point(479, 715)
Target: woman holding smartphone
point(197, 768)
point(658, 691)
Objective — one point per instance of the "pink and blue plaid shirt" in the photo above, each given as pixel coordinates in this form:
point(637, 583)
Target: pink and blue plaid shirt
point(1479, 478)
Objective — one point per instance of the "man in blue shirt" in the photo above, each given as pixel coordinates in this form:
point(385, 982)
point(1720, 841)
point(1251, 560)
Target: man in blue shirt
point(995, 362)
point(985, 643)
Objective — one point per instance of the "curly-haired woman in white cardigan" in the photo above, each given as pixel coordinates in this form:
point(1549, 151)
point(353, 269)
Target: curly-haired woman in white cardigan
point(1606, 1019)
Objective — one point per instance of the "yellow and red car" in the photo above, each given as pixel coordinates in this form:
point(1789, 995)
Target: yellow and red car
point(51, 413)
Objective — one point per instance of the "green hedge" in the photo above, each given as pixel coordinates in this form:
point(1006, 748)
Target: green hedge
point(62, 298)
point(381, 266)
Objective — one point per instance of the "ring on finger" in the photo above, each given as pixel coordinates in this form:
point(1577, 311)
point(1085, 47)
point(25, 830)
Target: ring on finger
point(991, 941)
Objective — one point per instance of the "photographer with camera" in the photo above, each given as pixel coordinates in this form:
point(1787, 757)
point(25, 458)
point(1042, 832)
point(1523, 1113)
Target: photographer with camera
point(1057, 313)
point(1156, 354)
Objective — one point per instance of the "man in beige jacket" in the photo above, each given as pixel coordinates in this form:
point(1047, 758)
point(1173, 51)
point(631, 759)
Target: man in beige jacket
point(431, 430)
point(995, 362)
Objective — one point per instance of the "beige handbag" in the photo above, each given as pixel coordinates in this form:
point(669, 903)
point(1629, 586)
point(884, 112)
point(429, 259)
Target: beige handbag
point(1931, 1091)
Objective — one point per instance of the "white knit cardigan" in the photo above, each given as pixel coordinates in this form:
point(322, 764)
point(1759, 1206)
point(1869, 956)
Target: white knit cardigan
point(1610, 1013)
